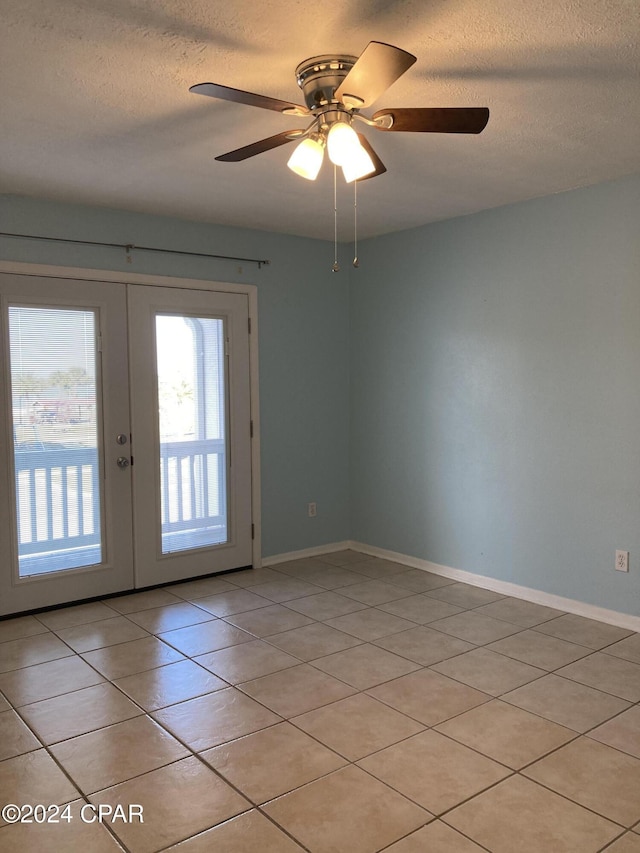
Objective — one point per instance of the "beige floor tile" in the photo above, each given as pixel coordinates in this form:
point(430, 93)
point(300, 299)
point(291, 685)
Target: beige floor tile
point(77, 614)
point(147, 600)
point(76, 713)
point(135, 656)
point(74, 834)
point(272, 762)
point(629, 843)
point(520, 612)
point(45, 680)
point(116, 753)
point(436, 837)
point(378, 569)
point(464, 595)
point(584, 632)
point(206, 637)
point(357, 726)
point(475, 628)
point(300, 568)
point(507, 734)
point(519, 815)
point(15, 737)
point(252, 577)
point(330, 577)
point(28, 651)
point(325, 605)
point(365, 666)
point(166, 685)
point(204, 801)
point(269, 620)
point(104, 632)
point(566, 702)
point(343, 558)
point(192, 590)
point(313, 641)
point(33, 778)
point(4, 705)
point(424, 645)
point(235, 601)
point(594, 775)
point(285, 589)
point(169, 617)
point(21, 626)
point(434, 771)
point(216, 718)
point(539, 650)
point(420, 609)
point(370, 624)
point(428, 697)
point(296, 690)
point(251, 832)
point(609, 674)
point(246, 661)
point(488, 671)
point(346, 811)
point(629, 648)
point(622, 732)
point(419, 580)
point(374, 592)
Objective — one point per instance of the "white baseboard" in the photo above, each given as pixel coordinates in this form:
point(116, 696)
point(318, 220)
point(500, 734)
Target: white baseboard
point(569, 605)
point(306, 552)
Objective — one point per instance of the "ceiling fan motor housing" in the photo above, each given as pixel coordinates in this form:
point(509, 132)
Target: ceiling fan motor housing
point(320, 76)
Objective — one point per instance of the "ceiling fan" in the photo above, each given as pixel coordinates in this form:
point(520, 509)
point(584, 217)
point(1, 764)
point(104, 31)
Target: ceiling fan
point(335, 88)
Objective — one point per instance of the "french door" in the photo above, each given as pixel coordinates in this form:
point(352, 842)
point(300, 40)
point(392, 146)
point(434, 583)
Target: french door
point(125, 450)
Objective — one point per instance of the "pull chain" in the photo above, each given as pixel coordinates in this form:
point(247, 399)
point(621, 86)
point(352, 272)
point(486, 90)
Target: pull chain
point(355, 225)
point(336, 265)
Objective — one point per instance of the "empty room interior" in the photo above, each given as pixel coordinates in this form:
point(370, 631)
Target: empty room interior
point(319, 460)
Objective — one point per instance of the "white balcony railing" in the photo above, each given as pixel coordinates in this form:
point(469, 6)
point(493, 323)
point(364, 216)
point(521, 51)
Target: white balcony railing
point(58, 502)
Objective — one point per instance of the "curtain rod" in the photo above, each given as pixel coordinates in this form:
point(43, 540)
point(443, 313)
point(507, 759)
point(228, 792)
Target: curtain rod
point(129, 247)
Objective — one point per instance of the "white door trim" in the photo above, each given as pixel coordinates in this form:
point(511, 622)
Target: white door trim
point(51, 271)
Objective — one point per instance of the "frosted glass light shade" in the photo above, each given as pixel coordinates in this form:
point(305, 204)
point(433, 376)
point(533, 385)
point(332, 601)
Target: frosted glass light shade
point(341, 142)
point(307, 159)
point(359, 165)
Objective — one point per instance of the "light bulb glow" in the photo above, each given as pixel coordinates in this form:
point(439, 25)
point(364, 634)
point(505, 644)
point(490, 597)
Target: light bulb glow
point(359, 165)
point(341, 142)
point(307, 159)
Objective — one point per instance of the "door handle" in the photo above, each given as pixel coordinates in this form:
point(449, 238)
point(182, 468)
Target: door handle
point(123, 462)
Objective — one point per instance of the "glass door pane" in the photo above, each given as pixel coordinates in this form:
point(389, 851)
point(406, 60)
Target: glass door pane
point(192, 426)
point(55, 438)
point(191, 432)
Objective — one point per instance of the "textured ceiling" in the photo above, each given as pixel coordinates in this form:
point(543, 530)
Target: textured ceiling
point(95, 108)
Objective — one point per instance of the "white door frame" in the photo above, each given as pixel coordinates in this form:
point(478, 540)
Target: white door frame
point(251, 290)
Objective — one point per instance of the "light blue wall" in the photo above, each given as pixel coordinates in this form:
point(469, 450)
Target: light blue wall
point(303, 333)
point(495, 407)
point(495, 380)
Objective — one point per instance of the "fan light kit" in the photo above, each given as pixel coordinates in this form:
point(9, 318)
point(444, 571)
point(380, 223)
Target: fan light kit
point(335, 89)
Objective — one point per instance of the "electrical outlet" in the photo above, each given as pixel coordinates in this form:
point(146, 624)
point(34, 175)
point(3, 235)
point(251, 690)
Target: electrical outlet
point(312, 510)
point(622, 561)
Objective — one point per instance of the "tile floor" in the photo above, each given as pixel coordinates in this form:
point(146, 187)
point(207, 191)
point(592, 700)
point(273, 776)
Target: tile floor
point(340, 704)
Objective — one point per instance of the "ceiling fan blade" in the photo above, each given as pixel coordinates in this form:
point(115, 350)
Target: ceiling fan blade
point(378, 66)
point(377, 162)
point(260, 146)
point(238, 96)
point(436, 119)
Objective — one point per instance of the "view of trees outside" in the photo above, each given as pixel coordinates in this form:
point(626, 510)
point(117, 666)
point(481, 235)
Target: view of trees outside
point(53, 362)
